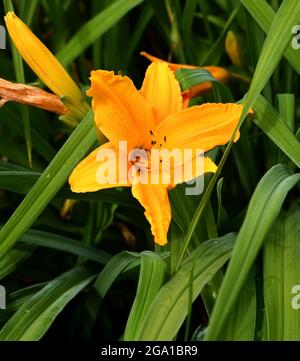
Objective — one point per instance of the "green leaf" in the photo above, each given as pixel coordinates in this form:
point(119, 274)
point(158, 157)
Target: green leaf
point(27, 11)
point(94, 28)
point(65, 244)
point(14, 258)
point(16, 299)
point(274, 46)
point(188, 17)
point(267, 118)
point(222, 218)
point(286, 104)
point(263, 14)
point(276, 42)
point(218, 44)
point(152, 274)
point(22, 181)
point(12, 121)
point(117, 267)
point(35, 316)
point(191, 77)
point(281, 255)
point(20, 77)
point(170, 307)
point(144, 19)
point(263, 209)
point(52, 179)
point(120, 263)
point(241, 323)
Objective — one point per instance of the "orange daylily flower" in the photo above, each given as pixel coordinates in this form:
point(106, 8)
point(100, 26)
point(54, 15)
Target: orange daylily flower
point(147, 119)
point(217, 72)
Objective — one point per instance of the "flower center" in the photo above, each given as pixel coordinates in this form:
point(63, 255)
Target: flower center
point(155, 143)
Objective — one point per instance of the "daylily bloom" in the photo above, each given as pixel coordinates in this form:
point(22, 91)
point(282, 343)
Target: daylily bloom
point(46, 66)
point(217, 72)
point(146, 119)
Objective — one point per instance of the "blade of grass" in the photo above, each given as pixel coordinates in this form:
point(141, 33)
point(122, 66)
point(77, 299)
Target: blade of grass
point(65, 244)
point(190, 305)
point(267, 118)
point(14, 258)
point(144, 19)
point(118, 266)
point(120, 263)
point(27, 11)
point(16, 299)
point(170, 307)
point(152, 275)
point(22, 181)
point(34, 317)
point(38, 142)
point(188, 17)
point(263, 14)
point(240, 325)
point(209, 59)
point(20, 77)
point(52, 179)
point(263, 209)
point(281, 273)
point(94, 28)
point(286, 104)
point(274, 46)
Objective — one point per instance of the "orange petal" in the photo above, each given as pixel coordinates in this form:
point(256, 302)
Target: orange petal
point(193, 168)
point(217, 72)
point(185, 99)
point(162, 90)
point(154, 198)
point(200, 127)
point(99, 170)
point(181, 168)
point(121, 112)
point(172, 66)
